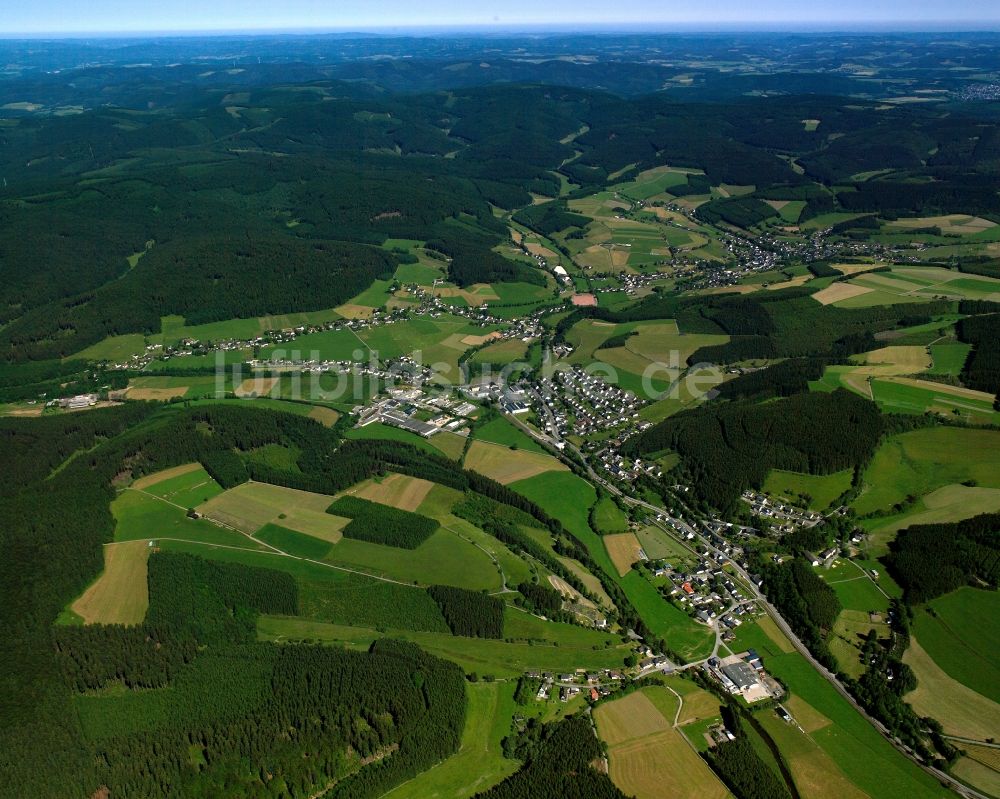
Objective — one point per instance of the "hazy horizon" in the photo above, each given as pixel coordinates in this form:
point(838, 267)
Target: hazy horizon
point(70, 18)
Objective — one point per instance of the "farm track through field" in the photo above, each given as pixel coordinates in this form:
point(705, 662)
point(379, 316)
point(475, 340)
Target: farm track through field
point(274, 550)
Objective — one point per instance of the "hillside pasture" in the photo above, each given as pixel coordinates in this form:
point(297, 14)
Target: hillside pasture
point(961, 640)
point(528, 643)
point(119, 594)
point(960, 710)
point(250, 506)
point(921, 461)
point(506, 465)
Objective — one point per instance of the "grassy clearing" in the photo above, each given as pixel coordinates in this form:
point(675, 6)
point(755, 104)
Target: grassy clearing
point(553, 647)
point(167, 474)
point(961, 641)
point(119, 594)
point(821, 490)
point(187, 490)
point(506, 465)
point(647, 756)
point(949, 358)
point(500, 431)
point(918, 462)
point(608, 517)
point(960, 710)
point(479, 762)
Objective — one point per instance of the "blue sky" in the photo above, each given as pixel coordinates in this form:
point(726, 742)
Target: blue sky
point(49, 16)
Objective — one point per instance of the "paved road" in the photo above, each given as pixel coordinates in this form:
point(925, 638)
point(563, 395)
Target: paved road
point(686, 528)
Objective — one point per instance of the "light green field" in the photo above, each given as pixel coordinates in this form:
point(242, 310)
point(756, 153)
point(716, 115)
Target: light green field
point(375, 296)
point(500, 431)
point(506, 465)
point(479, 762)
point(569, 498)
point(377, 430)
point(657, 545)
point(187, 490)
point(250, 506)
point(950, 503)
point(904, 395)
point(544, 645)
point(918, 462)
point(328, 345)
point(443, 559)
point(422, 274)
point(822, 490)
point(847, 749)
point(608, 517)
point(142, 517)
point(949, 358)
point(961, 638)
point(853, 587)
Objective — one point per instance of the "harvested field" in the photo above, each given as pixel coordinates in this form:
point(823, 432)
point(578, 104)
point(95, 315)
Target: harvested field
point(166, 474)
point(157, 394)
point(787, 284)
point(904, 359)
point(476, 294)
point(633, 716)
point(250, 506)
point(325, 416)
point(960, 710)
point(350, 311)
point(568, 591)
point(648, 758)
point(623, 549)
point(854, 269)
point(257, 386)
point(396, 490)
point(476, 341)
point(119, 595)
point(836, 292)
point(506, 465)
